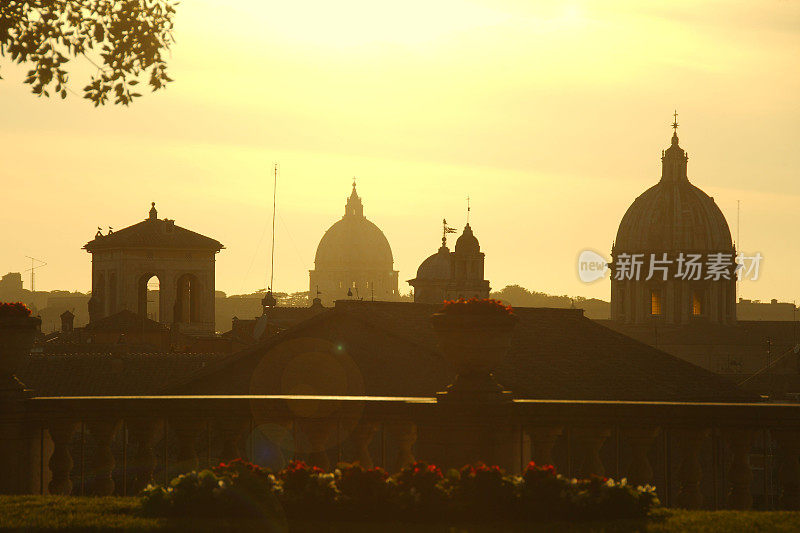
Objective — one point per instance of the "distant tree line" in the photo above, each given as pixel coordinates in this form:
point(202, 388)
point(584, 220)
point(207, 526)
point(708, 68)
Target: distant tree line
point(518, 296)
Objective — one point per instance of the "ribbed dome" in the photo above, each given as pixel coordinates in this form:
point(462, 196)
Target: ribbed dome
point(673, 215)
point(467, 242)
point(436, 267)
point(354, 243)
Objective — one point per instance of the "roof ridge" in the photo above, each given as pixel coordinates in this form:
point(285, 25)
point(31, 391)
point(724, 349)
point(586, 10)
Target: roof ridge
point(244, 352)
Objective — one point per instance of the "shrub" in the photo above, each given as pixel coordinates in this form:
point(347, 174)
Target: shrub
point(307, 490)
point(249, 485)
point(544, 492)
point(484, 492)
point(603, 498)
point(420, 491)
point(364, 493)
point(235, 491)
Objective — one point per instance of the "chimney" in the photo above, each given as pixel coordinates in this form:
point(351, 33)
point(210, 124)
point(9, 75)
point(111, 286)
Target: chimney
point(67, 321)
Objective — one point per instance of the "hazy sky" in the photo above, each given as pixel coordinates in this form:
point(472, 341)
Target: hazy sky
point(550, 116)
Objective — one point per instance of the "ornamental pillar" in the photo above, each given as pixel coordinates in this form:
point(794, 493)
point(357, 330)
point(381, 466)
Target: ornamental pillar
point(405, 434)
point(61, 460)
point(361, 437)
point(589, 441)
point(143, 432)
point(691, 472)
point(103, 462)
point(789, 470)
point(740, 442)
point(187, 431)
point(543, 439)
point(640, 471)
point(318, 431)
point(231, 431)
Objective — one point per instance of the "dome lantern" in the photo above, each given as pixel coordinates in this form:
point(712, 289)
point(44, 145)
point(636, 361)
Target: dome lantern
point(354, 207)
point(467, 243)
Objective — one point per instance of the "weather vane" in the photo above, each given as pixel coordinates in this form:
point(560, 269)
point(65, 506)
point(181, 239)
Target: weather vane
point(447, 229)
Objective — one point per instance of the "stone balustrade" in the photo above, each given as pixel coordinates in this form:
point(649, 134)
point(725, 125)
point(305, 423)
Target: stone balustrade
point(697, 455)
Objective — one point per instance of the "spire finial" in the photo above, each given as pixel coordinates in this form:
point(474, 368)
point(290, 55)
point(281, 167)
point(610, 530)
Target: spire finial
point(153, 212)
point(354, 183)
point(468, 209)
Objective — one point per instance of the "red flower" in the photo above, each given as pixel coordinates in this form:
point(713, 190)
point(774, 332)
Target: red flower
point(15, 309)
point(547, 470)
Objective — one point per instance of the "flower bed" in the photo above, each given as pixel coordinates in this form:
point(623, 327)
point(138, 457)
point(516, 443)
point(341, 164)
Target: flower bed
point(14, 310)
point(418, 493)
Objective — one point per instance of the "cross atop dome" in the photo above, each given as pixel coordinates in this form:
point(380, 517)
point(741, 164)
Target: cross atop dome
point(675, 127)
point(673, 159)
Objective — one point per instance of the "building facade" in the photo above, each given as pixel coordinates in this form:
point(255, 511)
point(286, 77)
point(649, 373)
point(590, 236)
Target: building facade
point(123, 262)
point(353, 260)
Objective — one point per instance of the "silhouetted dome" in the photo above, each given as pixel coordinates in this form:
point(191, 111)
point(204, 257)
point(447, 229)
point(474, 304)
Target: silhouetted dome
point(354, 242)
point(467, 243)
point(673, 215)
point(436, 266)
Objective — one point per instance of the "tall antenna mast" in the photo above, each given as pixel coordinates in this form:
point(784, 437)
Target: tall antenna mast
point(269, 300)
point(33, 268)
point(274, 196)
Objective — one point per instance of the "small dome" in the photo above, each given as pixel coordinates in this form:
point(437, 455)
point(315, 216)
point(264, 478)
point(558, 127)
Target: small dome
point(673, 215)
point(467, 243)
point(436, 266)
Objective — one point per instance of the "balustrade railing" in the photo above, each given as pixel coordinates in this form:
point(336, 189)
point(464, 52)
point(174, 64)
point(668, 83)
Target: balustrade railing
point(697, 455)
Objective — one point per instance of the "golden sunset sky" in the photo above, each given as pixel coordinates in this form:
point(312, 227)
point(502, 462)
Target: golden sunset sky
point(551, 116)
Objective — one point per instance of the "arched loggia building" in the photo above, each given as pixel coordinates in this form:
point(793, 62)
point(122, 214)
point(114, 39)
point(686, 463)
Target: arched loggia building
point(672, 217)
point(183, 262)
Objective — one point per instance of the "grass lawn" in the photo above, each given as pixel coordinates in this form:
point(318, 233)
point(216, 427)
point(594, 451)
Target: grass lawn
point(55, 513)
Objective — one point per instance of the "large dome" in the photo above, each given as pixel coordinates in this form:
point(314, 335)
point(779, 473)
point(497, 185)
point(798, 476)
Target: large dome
point(354, 242)
point(673, 215)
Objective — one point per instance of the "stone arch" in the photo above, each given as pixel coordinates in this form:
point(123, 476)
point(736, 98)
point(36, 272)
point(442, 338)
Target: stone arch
point(142, 297)
point(188, 299)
